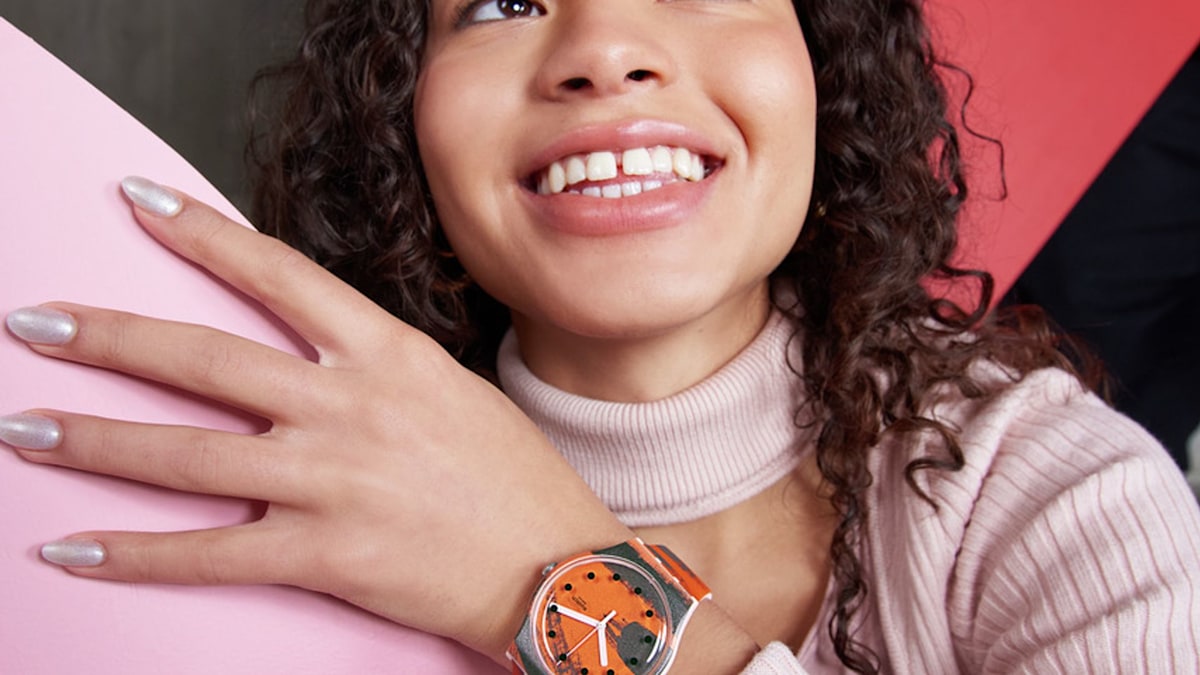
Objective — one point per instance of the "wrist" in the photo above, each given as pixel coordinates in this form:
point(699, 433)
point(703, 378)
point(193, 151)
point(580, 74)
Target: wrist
point(714, 644)
point(526, 576)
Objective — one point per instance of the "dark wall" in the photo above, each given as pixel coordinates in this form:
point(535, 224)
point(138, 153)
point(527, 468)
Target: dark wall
point(182, 67)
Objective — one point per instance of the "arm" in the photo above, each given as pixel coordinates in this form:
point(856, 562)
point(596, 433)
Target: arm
point(359, 463)
point(1084, 551)
point(716, 645)
point(374, 494)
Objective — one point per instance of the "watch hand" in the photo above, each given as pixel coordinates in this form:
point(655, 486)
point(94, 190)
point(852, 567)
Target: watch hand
point(597, 627)
point(602, 635)
point(582, 618)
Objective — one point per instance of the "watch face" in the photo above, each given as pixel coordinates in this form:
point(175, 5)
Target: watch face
point(602, 616)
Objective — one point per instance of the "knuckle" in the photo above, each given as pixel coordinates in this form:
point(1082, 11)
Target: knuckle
point(422, 359)
point(215, 359)
point(154, 559)
point(417, 343)
point(196, 466)
point(138, 562)
point(315, 394)
point(110, 346)
point(212, 568)
point(283, 265)
point(205, 234)
point(338, 403)
point(105, 447)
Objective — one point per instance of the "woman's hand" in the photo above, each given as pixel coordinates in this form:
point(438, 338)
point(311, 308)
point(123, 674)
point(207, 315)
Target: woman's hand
point(395, 479)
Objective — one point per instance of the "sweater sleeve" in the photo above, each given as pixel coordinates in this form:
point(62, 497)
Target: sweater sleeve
point(1086, 548)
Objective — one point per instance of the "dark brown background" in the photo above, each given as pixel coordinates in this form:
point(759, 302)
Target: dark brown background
point(182, 67)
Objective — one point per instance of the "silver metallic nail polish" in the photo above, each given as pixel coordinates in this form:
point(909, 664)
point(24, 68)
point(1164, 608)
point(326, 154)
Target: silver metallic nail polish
point(151, 196)
point(30, 432)
point(42, 325)
point(74, 553)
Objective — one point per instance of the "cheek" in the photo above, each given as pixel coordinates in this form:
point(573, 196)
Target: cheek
point(447, 153)
point(774, 108)
point(434, 120)
point(774, 100)
point(776, 112)
point(464, 114)
point(445, 104)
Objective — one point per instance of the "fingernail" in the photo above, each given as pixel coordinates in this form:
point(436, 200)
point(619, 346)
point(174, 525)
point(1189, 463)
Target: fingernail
point(30, 432)
point(42, 325)
point(151, 196)
point(74, 553)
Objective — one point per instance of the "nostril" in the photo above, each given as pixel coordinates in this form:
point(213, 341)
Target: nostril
point(639, 75)
point(576, 83)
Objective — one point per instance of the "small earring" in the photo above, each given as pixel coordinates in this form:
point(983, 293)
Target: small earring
point(819, 210)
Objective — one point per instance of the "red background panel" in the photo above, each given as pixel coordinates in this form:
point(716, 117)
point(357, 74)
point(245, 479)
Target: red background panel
point(1061, 84)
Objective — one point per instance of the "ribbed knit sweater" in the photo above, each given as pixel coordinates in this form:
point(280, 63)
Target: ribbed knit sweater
point(1069, 543)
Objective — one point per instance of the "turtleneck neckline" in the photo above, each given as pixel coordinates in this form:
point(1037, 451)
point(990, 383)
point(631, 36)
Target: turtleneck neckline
point(683, 457)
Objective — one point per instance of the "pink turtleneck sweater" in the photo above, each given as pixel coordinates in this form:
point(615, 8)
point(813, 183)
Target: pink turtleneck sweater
point(1068, 543)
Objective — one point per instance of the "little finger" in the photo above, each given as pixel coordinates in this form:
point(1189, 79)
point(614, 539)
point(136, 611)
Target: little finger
point(239, 554)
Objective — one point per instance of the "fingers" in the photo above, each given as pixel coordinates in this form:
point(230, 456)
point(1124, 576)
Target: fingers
point(255, 553)
point(330, 315)
point(178, 457)
point(243, 373)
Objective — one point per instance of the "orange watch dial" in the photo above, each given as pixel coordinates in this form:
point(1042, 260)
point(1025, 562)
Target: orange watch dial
point(602, 616)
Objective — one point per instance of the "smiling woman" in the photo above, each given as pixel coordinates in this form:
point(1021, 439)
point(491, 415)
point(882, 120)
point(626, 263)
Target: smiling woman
point(683, 264)
point(653, 271)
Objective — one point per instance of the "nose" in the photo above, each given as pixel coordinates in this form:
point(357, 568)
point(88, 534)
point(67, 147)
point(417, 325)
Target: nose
point(604, 48)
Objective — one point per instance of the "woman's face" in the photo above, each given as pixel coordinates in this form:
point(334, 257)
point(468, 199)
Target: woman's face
point(617, 168)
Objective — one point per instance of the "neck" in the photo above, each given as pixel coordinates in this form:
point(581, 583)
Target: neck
point(643, 367)
point(686, 456)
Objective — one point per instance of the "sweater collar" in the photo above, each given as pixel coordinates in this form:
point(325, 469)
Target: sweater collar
point(684, 457)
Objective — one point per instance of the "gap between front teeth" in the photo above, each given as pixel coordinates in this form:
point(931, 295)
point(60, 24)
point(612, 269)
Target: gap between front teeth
point(561, 175)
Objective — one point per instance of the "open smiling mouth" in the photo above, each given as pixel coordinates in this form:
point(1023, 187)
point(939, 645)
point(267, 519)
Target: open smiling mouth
point(613, 175)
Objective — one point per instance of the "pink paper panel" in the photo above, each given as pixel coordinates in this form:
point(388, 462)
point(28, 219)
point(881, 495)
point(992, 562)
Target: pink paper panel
point(69, 235)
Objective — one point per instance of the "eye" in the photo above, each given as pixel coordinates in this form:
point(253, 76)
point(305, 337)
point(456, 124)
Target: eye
point(498, 10)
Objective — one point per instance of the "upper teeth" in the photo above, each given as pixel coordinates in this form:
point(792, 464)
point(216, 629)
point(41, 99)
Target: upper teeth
point(663, 163)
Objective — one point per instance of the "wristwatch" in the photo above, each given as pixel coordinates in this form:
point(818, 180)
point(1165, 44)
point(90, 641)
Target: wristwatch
point(617, 611)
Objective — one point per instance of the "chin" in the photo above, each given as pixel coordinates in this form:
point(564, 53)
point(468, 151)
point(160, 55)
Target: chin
point(639, 314)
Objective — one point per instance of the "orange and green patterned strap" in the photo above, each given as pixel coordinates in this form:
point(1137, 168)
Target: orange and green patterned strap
point(675, 568)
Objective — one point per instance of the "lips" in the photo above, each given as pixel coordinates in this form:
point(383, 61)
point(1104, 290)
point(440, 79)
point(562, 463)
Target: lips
point(621, 178)
point(613, 174)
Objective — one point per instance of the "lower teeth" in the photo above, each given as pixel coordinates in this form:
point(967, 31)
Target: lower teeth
point(612, 190)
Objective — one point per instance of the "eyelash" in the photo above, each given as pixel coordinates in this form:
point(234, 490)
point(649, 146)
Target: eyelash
point(463, 16)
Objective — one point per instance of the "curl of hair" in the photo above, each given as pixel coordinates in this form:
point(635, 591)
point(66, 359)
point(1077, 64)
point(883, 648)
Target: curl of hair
point(888, 186)
point(339, 177)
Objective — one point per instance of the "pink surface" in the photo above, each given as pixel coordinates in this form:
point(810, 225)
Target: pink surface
point(69, 235)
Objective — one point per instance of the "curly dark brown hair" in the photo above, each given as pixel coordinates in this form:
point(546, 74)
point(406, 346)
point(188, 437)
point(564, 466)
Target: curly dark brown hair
point(339, 177)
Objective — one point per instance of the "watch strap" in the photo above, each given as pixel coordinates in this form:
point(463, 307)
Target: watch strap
point(686, 587)
point(683, 574)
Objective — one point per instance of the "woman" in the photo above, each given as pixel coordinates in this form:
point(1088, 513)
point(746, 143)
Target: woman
point(708, 225)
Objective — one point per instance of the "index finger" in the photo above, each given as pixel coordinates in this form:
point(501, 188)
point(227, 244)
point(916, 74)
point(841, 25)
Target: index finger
point(315, 303)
